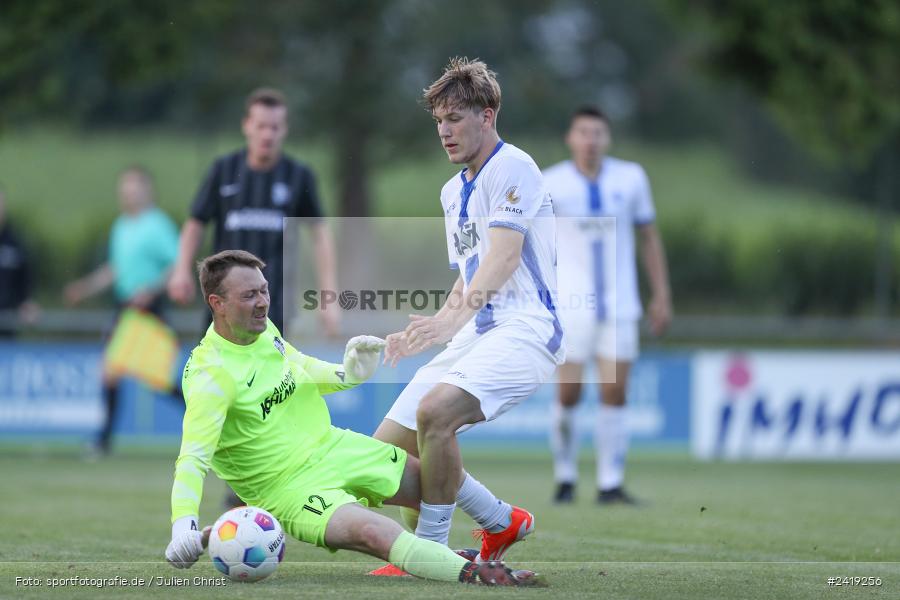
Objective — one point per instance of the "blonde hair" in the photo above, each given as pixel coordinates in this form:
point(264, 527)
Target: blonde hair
point(465, 84)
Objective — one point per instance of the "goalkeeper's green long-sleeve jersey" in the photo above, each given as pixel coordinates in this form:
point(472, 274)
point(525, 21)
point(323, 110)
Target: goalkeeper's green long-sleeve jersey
point(253, 413)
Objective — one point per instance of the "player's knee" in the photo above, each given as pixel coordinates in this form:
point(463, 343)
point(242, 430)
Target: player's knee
point(432, 416)
point(426, 418)
point(613, 394)
point(569, 394)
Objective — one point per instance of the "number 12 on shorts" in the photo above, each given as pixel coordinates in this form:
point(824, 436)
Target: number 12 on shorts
point(316, 499)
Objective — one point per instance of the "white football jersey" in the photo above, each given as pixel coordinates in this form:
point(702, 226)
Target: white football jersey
point(509, 192)
point(596, 221)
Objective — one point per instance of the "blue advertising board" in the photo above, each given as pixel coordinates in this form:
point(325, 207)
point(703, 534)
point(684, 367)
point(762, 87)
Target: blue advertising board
point(50, 389)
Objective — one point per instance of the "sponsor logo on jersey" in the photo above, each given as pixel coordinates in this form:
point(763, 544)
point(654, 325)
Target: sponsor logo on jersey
point(279, 394)
point(512, 195)
point(254, 219)
point(510, 209)
point(229, 189)
point(466, 239)
point(281, 193)
point(596, 225)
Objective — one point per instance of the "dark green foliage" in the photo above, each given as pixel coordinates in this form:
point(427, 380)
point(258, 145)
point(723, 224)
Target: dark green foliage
point(96, 61)
point(783, 268)
point(827, 69)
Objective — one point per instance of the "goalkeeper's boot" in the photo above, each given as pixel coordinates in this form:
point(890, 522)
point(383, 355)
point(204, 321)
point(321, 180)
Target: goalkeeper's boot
point(495, 545)
point(494, 572)
point(389, 570)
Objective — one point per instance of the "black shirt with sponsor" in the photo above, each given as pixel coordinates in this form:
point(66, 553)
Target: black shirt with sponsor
point(247, 208)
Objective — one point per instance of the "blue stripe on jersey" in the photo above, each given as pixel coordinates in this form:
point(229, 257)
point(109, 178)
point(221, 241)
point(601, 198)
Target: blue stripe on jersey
point(471, 267)
point(454, 266)
point(484, 318)
point(530, 260)
point(464, 194)
point(595, 201)
point(509, 225)
point(594, 198)
point(469, 186)
point(599, 287)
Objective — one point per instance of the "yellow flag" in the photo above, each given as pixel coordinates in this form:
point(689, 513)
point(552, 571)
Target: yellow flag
point(143, 347)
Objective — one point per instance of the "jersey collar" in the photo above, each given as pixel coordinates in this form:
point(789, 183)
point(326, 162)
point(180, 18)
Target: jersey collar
point(469, 186)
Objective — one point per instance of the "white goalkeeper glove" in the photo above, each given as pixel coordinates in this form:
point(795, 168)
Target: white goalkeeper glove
point(186, 545)
point(361, 357)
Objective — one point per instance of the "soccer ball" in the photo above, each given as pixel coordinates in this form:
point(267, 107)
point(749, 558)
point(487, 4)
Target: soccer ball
point(246, 544)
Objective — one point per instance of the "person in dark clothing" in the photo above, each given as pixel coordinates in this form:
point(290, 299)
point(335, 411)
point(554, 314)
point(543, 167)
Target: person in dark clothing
point(246, 196)
point(16, 305)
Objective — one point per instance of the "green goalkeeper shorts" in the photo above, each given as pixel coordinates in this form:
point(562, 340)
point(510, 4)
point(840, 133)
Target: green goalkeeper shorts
point(348, 467)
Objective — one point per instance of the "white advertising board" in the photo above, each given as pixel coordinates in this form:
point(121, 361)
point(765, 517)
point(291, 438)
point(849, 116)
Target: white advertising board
point(796, 405)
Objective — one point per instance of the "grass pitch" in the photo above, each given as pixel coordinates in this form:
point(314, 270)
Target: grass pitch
point(707, 531)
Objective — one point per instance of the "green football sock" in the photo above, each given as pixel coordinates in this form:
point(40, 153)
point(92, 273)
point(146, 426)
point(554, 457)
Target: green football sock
point(426, 559)
point(410, 518)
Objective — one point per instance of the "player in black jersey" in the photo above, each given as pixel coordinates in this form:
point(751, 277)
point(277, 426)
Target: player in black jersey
point(246, 195)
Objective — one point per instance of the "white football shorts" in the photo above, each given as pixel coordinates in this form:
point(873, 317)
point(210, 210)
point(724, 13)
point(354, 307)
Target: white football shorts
point(500, 367)
point(587, 338)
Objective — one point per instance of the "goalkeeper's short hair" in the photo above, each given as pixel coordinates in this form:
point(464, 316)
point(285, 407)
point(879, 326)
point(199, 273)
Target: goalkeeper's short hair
point(213, 269)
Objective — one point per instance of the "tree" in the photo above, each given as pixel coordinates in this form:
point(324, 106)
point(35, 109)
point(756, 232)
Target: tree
point(353, 70)
point(83, 61)
point(828, 70)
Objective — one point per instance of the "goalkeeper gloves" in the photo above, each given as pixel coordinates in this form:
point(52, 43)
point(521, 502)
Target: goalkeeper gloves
point(361, 357)
point(186, 545)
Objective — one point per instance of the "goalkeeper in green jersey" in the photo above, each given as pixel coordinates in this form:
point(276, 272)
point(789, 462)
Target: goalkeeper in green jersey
point(256, 415)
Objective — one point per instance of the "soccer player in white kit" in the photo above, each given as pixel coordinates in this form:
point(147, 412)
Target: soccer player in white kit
point(505, 338)
point(600, 202)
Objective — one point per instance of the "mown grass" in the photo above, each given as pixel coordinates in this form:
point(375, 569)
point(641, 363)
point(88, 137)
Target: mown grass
point(707, 530)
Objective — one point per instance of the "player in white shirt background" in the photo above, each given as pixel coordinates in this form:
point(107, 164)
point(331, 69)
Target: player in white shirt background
point(600, 202)
point(503, 335)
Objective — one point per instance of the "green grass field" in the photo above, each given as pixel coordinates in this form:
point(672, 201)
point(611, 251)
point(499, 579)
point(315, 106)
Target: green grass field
point(708, 531)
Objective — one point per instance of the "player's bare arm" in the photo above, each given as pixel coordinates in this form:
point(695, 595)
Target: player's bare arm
point(181, 284)
point(397, 343)
point(90, 285)
point(653, 258)
point(323, 250)
point(499, 264)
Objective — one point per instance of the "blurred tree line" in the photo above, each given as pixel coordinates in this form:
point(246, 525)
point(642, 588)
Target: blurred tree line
point(803, 92)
